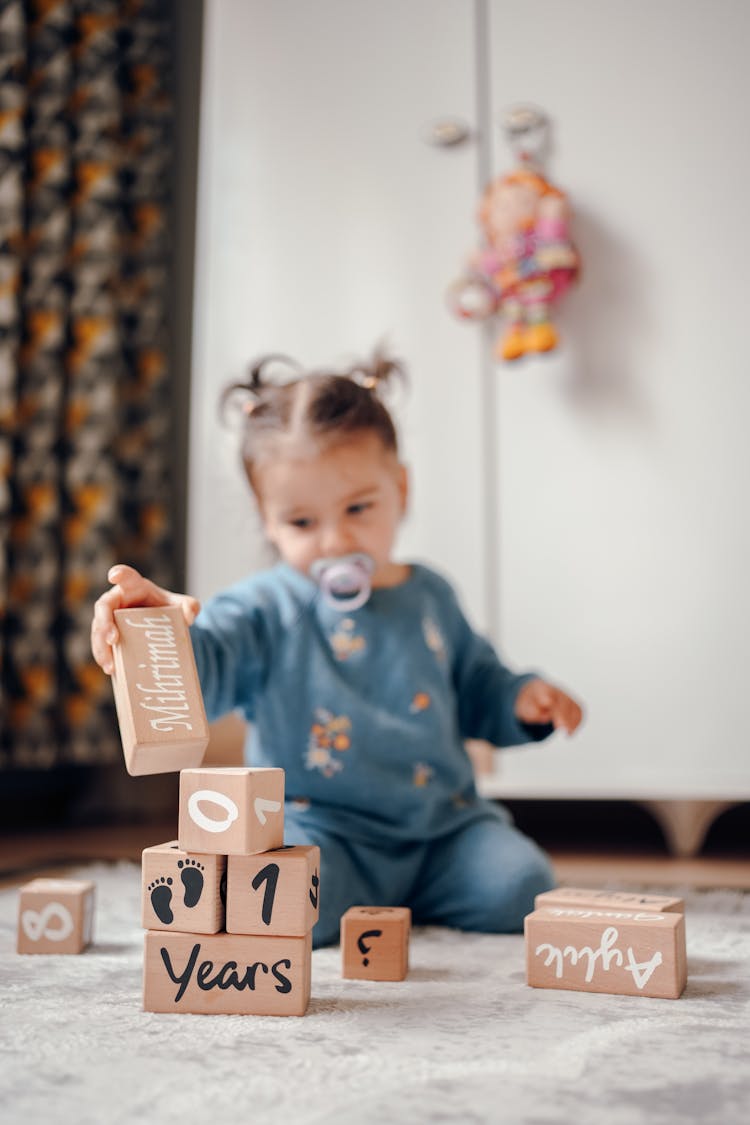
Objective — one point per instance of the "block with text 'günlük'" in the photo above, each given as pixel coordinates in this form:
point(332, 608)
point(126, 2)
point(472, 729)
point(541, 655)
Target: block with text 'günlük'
point(595, 949)
point(230, 847)
point(610, 900)
point(157, 694)
point(55, 916)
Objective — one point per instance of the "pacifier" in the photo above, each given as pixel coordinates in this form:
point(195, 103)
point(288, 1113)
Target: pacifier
point(344, 582)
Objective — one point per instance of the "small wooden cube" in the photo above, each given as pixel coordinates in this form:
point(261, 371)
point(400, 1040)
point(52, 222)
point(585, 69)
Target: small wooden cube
point(157, 694)
point(226, 973)
point(55, 916)
point(610, 900)
point(632, 953)
point(181, 890)
point(275, 892)
point(375, 942)
point(234, 811)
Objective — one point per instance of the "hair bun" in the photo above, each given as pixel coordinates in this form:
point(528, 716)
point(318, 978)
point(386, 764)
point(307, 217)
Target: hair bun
point(380, 370)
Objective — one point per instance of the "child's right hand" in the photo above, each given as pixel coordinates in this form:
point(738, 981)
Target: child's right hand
point(129, 589)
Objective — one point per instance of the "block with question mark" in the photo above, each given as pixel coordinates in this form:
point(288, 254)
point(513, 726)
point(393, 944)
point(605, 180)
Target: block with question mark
point(375, 942)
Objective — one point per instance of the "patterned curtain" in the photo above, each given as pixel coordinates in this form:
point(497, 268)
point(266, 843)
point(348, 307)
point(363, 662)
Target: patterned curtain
point(85, 128)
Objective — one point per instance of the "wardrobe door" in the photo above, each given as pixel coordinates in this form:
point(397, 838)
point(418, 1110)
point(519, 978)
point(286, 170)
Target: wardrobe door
point(330, 221)
point(623, 459)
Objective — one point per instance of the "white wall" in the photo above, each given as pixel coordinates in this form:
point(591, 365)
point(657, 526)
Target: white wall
point(616, 475)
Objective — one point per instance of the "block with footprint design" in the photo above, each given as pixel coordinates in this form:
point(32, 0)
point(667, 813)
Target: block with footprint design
point(231, 811)
point(375, 942)
point(274, 892)
point(182, 891)
point(55, 916)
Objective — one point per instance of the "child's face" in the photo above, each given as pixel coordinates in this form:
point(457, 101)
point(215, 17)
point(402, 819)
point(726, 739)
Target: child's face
point(332, 502)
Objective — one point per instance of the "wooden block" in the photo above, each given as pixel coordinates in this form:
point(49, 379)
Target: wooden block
point(375, 942)
point(226, 973)
point(158, 698)
point(55, 916)
point(633, 953)
point(609, 900)
point(275, 892)
point(236, 811)
point(182, 891)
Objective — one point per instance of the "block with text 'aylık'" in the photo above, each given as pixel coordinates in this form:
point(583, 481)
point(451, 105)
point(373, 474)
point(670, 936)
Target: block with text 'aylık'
point(231, 811)
point(610, 900)
point(275, 892)
point(182, 891)
point(55, 916)
point(227, 974)
point(586, 949)
point(157, 694)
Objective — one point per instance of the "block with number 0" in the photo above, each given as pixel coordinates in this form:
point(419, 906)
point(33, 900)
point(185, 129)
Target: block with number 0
point(235, 811)
point(274, 893)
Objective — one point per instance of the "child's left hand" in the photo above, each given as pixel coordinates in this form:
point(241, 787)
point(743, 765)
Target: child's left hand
point(540, 702)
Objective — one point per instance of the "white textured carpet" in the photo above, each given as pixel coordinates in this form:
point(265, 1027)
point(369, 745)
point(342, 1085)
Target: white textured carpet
point(461, 1040)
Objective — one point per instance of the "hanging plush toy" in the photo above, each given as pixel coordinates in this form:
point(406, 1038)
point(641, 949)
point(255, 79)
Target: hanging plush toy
point(527, 260)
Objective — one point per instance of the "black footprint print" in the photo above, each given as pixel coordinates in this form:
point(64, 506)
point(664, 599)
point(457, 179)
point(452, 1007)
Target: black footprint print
point(313, 892)
point(161, 897)
point(192, 878)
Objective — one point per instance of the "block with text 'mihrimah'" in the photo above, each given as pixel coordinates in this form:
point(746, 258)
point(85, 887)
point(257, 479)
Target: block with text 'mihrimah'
point(55, 916)
point(182, 891)
point(628, 952)
point(274, 892)
point(375, 942)
point(158, 698)
point(610, 900)
point(232, 811)
point(226, 974)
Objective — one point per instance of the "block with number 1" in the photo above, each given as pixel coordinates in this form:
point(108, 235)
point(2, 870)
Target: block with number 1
point(275, 892)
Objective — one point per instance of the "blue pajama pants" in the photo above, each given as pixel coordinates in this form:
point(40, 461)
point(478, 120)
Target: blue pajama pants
point(482, 877)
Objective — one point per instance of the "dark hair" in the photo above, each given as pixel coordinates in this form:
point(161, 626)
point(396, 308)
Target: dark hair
point(322, 406)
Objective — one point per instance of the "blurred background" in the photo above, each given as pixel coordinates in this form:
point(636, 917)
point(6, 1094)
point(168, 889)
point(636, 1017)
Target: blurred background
point(187, 184)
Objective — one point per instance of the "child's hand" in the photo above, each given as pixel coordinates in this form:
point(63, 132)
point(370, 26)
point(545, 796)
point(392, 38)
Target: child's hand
point(540, 702)
point(130, 589)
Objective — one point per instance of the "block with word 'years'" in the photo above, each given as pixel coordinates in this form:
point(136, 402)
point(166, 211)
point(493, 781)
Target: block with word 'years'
point(55, 916)
point(375, 942)
point(629, 952)
point(610, 900)
point(182, 890)
point(227, 974)
point(275, 892)
point(157, 694)
point(231, 811)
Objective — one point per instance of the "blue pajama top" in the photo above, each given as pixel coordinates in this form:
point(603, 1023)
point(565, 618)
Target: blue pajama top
point(365, 711)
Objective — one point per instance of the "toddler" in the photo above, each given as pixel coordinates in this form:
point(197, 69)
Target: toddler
point(359, 674)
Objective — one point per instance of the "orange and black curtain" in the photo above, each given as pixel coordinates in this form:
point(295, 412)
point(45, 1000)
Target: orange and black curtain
point(85, 130)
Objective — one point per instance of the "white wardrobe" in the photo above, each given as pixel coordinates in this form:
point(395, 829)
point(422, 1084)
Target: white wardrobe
point(590, 505)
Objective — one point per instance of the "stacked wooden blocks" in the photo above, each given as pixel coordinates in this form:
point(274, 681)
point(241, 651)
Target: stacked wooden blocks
point(228, 909)
point(598, 941)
